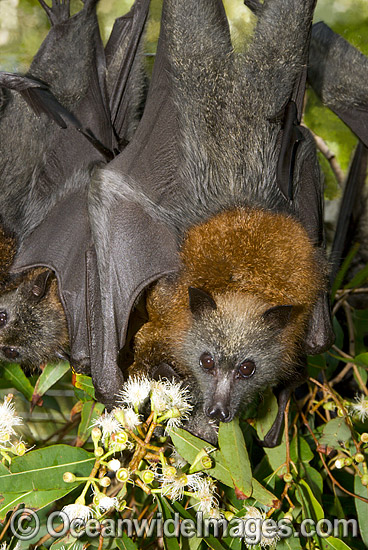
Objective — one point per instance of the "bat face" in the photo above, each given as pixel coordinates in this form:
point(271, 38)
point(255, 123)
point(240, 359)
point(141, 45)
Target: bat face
point(234, 352)
point(32, 321)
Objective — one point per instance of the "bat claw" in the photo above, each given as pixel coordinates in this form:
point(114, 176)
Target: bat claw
point(59, 12)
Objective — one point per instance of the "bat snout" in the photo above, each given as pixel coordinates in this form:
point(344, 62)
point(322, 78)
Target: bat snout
point(219, 411)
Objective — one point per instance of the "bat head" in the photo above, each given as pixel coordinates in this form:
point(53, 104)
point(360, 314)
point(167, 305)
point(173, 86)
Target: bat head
point(235, 348)
point(32, 321)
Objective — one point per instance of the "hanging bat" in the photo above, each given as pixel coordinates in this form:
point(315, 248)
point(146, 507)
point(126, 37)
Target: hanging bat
point(219, 187)
point(46, 168)
point(338, 73)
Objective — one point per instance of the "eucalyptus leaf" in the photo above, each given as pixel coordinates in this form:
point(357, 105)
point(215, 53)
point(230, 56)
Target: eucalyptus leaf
point(50, 375)
point(90, 411)
point(83, 382)
point(32, 498)
point(330, 543)
point(189, 446)
point(170, 543)
point(125, 543)
point(334, 432)
point(361, 508)
point(17, 379)
point(233, 449)
point(43, 469)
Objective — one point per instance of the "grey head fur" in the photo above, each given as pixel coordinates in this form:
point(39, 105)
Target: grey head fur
point(32, 329)
point(237, 333)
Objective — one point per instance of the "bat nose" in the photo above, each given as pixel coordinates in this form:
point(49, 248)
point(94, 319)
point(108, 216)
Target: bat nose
point(219, 412)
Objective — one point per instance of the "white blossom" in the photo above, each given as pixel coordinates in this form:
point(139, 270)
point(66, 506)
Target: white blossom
point(254, 513)
point(8, 418)
point(78, 512)
point(179, 461)
point(108, 424)
point(135, 391)
point(106, 503)
point(360, 407)
point(204, 488)
point(114, 465)
point(131, 419)
point(159, 398)
point(166, 396)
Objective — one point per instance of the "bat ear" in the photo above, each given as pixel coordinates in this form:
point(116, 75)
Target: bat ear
point(200, 301)
point(40, 285)
point(278, 316)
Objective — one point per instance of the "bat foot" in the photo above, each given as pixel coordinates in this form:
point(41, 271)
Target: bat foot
point(59, 12)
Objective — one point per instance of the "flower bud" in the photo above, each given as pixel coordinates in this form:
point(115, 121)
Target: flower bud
point(68, 477)
point(120, 438)
point(364, 437)
point(19, 448)
point(105, 482)
point(348, 461)
point(122, 505)
point(288, 478)
point(359, 458)
point(96, 434)
point(364, 480)
point(99, 452)
point(122, 475)
point(339, 463)
point(147, 476)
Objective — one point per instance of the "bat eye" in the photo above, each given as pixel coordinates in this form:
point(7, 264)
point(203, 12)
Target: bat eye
point(3, 318)
point(246, 369)
point(206, 361)
point(10, 353)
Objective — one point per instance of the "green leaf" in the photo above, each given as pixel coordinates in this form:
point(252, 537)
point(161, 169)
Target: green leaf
point(291, 543)
point(83, 382)
point(90, 411)
point(189, 446)
point(335, 431)
point(361, 361)
point(343, 270)
point(267, 412)
point(16, 377)
point(43, 469)
point(33, 499)
point(50, 375)
point(335, 544)
point(314, 479)
point(211, 541)
point(263, 496)
point(361, 508)
point(125, 543)
point(314, 505)
point(170, 543)
point(232, 446)
point(359, 279)
point(300, 451)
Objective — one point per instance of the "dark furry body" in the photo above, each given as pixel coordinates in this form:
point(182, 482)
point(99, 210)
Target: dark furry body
point(228, 106)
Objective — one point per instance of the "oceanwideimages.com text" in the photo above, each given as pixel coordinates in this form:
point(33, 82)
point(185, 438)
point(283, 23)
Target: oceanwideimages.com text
point(25, 525)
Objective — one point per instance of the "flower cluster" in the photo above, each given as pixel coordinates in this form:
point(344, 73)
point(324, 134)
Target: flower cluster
point(169, 401)
point(9, 442)
point(360, 407)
